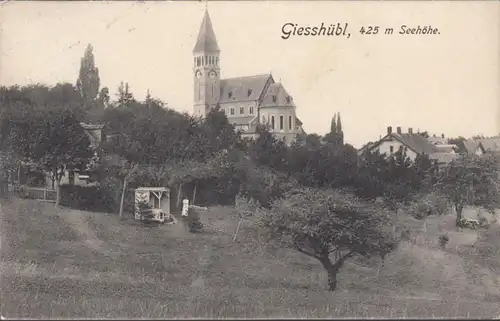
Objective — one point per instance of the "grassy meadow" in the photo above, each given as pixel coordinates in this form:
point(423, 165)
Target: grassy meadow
point(62, 263)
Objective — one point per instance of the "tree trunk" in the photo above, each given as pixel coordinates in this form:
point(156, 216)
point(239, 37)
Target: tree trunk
point(332, 271)
point(194, 191)
point(179, 196)
point(125, 183)
point(58, 191)
point(458, 210)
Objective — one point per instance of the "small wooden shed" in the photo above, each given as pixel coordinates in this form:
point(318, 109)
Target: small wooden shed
point(158, 199)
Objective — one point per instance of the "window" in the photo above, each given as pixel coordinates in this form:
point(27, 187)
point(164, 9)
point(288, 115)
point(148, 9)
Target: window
point(249, 92)
point(290, 122)
point(198, 61)
point(230, 94)
point(232, 111)
point(250, 110)
point(288, 99)
point(281, 122)
point(274, 99)
point(242, 110)
point(272, 122)
point(216, 60)
point(391, 149)
point(195, 61)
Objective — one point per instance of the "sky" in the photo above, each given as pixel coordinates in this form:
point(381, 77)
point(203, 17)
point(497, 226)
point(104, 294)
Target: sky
point(445, 83)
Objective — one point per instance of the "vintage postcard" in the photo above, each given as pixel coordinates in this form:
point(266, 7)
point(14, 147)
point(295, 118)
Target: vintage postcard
point(249, 159)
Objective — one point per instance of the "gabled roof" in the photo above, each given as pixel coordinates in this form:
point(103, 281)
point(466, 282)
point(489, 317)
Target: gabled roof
point(277, 96)
point(490, 144)
point(247, 88)
point(206, 41)
point(415, 142)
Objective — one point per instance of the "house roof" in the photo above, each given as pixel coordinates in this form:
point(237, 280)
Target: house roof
point(443, 157)
point(471, 145)
point(277, 96)
point(446, 148)
point(247, 88)
point(206, 41)
point(490, 144)
point(416, 142)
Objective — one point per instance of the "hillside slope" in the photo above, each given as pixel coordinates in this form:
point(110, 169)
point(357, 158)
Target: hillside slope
point(67, 263)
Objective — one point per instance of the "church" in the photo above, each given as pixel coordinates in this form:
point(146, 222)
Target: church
point(247, 101)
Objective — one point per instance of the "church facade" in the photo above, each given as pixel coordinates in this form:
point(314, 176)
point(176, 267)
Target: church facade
point(247, 101)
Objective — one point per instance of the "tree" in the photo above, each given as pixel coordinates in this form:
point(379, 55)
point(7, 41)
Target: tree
point(88, 79)
point(125, 97)
point(52, 139)
point(328, 226)
point(266, 150)
point(470, 180)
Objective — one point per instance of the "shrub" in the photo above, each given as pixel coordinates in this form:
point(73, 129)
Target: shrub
point(87, 198)
point(443, 240)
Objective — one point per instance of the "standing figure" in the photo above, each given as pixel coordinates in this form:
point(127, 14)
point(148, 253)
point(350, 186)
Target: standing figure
point(185, 207)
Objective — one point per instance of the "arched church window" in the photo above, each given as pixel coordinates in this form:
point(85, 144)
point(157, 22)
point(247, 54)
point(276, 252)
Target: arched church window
point(232, 111)
point(242, 110)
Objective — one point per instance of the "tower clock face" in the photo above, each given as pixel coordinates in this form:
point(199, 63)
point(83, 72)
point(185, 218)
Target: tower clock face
point(213, 74)
point(198, 74)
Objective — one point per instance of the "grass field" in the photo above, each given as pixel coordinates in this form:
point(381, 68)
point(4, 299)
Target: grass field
point(68, 264)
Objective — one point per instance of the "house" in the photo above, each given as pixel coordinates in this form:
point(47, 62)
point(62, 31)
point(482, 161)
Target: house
point(413, 144)
point(76, 176)
point(247, 101)
point(480, 146)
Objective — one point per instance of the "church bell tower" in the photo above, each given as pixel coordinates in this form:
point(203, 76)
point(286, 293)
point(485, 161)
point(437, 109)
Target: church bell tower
point(206, 69)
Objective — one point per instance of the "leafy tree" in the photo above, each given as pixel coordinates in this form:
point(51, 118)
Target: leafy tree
point(125, 97)
point(329, 227)
point(266, 150)
point(88, 81)
point(470, 180)
point(104, 97)
point(52, 139)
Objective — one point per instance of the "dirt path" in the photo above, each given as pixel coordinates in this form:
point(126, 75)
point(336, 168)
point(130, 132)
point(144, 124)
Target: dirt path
point(76, 220)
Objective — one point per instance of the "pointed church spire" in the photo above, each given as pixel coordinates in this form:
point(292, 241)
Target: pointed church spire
point(333, 126)
point(339, 124)
point(206, 41)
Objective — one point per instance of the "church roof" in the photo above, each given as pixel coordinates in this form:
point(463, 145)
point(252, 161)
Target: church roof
point(206, 41)
point(243, 88)
point(277, 96)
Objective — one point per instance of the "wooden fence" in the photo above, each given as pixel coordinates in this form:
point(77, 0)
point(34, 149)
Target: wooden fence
point(37, 193)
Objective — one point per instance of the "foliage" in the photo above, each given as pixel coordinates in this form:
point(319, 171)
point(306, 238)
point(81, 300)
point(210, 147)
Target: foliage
point(87, 198)
point(88, 79)
point(470, 180)
point(328, 226)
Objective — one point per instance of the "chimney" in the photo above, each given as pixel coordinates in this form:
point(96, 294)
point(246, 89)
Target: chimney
point(389, 130)
point(410, 130)
point(398, 130)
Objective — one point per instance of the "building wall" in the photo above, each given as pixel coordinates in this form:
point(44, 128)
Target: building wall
point(226, 107)
point(385, 147)
point(289, 133)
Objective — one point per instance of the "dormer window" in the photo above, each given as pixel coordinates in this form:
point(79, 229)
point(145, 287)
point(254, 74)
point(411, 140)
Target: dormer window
point(230, 94)
point(249, 92)
point(274, 99)
point(288, 99)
